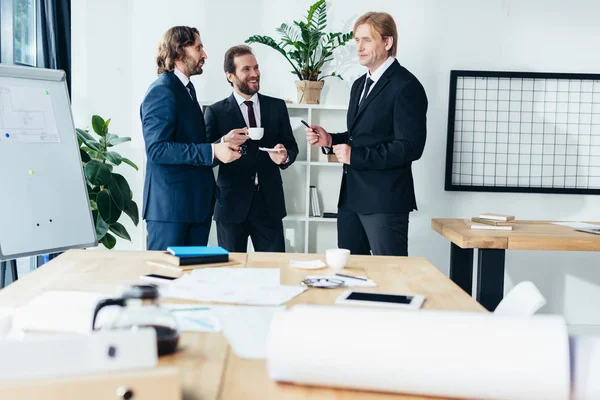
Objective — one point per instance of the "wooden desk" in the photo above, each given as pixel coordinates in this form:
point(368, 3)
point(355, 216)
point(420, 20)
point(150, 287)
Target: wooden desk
point(208, 368)
point(492, 245)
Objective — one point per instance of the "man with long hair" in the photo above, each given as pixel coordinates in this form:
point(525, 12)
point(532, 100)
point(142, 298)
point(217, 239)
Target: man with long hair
point(386, 133)
point(179, 186)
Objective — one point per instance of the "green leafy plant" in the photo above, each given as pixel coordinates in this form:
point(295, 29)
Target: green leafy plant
point(305, 45)
point(109, 193)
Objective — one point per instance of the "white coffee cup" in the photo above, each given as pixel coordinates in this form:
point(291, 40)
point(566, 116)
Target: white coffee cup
point(256, 133)
point(337, 258)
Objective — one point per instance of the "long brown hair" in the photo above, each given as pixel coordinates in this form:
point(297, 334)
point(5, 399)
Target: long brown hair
point(382, 23)
point(171, 47)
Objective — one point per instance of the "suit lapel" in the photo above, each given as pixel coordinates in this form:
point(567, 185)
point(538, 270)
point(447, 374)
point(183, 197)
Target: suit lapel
point(234, 109)
point(379, 86)
point(354, 97)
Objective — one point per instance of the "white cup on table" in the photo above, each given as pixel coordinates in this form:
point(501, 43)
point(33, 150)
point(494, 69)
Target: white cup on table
point(337, 258)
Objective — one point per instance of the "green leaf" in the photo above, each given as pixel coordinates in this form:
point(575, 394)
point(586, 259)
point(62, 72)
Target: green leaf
point(120, 231)
point(97, 173)
point(98, 124)
point(109, 241)
point(119, 140)
point(84, 156)
point(129, 162)
point(84, 135)
point(105, 128)
point(133, 213)
point(113, 157)
point(101, 226)
point(107, 207)
point(120, 191)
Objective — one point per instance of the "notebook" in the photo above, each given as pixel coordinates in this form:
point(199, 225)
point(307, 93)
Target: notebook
point(188, 255)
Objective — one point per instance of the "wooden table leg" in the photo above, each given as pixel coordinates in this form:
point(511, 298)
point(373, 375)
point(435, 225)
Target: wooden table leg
point(490, 277)
point(461, 267)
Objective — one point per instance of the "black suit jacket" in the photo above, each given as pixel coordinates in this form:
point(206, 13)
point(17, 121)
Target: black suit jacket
point(235, 181)
point(387, 133)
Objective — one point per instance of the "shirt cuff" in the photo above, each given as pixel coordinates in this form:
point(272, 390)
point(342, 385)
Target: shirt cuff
point(212, 147)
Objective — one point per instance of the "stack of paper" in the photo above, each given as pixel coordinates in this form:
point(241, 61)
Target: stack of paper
point(251, 286)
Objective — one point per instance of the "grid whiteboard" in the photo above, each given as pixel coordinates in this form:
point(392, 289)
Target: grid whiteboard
point(523, 132)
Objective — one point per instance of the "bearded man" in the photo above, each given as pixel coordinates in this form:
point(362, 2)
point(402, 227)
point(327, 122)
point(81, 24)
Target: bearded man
point(250, 200)
point(179, 184)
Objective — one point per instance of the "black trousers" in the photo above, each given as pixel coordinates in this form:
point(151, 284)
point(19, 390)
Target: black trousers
point(382, 234)
point(265, 231)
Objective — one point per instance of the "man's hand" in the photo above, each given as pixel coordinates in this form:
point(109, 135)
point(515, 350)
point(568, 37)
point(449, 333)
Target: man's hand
point(236, 136)
point(342, 152)
point(280, 156)
point(318, 138)
point(226, 152)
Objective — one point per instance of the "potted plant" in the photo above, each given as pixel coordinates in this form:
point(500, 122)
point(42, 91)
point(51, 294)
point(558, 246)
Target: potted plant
point(109, 192)
point(307, 47)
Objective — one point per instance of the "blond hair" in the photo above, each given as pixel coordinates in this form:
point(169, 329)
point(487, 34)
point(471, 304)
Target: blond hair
point(383, 24)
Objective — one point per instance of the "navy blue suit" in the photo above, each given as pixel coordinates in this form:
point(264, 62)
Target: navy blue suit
point(386, 132)
point(179, 185)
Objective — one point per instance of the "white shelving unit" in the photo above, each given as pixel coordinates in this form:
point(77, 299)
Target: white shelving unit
point(303, 232)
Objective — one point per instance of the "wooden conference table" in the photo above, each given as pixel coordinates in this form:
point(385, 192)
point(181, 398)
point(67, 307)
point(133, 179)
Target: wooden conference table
point(205, 364)
point(492, 245)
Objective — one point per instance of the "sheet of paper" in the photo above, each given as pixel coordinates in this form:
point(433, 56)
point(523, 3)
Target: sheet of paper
point(585, 367)
point(577, 225)
point(309, 264)
point(62, 311)
point(431, 353)
point(348, 282)
point(260, 287)
point(194, 318)
point(238, 276)
point(523, 300)
point(247, 328)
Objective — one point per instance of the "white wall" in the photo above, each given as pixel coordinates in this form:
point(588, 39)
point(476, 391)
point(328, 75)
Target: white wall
point(115, 41)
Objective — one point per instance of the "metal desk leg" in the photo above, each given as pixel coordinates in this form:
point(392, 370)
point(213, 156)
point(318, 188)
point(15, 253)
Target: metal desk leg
point(13, 269)
point(461, 267)
point(490, 277)
point(2, 274)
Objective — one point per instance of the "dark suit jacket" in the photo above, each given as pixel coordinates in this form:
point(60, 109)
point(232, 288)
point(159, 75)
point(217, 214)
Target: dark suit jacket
point(179, 185)
point(236, 180)
point(387, 133)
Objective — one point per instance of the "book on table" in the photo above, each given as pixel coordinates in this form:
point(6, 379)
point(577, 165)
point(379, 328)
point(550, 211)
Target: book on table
point(189, 255)
point(497, 217)
point(491, 222)
point(491, 227)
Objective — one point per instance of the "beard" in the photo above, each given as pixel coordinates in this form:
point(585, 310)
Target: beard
point(245, 88)
point(192, 66)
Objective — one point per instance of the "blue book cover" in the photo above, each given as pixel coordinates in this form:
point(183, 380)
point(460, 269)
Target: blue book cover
point(197, 251)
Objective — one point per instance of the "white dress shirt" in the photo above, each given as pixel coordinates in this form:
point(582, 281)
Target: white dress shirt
point(378, 73)
point(185, 80)
point(244, 108)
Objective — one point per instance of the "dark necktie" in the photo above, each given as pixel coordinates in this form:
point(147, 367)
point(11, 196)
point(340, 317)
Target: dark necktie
point(364, 96)
point(251, 116)
point(190, 87)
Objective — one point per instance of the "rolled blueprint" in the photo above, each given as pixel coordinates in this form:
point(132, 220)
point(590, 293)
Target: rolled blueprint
point(436, 353)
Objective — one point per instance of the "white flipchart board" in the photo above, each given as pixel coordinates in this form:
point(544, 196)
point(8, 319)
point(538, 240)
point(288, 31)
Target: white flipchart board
point(44, 205)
